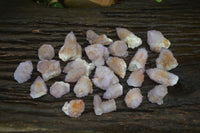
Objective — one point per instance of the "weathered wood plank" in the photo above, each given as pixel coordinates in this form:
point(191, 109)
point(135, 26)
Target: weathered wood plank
point(179, 21)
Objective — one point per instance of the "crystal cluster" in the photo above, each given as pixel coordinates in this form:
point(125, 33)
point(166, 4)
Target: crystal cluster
point(109, 58)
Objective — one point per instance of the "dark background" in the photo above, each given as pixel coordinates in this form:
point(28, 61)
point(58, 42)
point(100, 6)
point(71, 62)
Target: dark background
point(25, 26)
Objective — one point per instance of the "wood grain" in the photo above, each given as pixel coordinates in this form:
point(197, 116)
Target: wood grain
point(25, 26)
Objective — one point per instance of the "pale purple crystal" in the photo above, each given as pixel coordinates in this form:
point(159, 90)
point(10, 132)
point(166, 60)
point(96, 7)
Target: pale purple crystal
point(58, 89)
point(162, 77)
point(156, 40)
point(133, 98)
point(97, 53)
point(113, 91)
point(157, 94)
point(104, 77)
point(49, 68)
point(46, 52)
point(23, 71)
point(38, 88)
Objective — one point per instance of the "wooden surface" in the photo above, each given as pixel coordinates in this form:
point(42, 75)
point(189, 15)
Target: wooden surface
point(25, 26)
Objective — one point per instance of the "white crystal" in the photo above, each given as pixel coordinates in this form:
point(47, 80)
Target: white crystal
point(83, 87)
point(38, 88)
point(139, 60)
point(113, 91)
point(162, 77)
point(104, 77)
point(136, 78)
point(74, 108)
point(133, 98)
point(76, 69)
point(156, 40)
point(166, 60)
point(131, 39)
point(46, 52)
point(157, 94)
point(58, 89)
point(23, 71)
point(119, 48)
point(49, 69)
